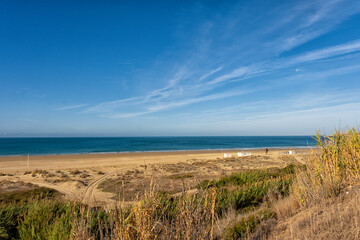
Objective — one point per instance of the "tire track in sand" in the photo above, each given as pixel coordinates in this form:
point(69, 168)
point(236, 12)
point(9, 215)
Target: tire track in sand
point(88, 194)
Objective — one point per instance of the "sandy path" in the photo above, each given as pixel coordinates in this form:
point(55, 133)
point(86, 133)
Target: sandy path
point(88, 195)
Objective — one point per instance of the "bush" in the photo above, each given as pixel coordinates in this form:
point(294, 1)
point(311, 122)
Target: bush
point(251, 195)
point(248, 188)
point(29, 195)
point(47, 219)
point(247, 225)
point(249, 177)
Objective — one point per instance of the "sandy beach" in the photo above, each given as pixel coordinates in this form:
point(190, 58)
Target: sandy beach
point(96, 178)
point(23, 163)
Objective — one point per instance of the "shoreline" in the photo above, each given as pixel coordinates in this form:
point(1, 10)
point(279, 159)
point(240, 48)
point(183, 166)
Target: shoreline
point(160, 151)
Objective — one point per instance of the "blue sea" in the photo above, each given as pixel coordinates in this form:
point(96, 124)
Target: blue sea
point(80, 145)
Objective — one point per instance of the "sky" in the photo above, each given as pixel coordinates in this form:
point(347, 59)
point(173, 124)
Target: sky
point(178, 68)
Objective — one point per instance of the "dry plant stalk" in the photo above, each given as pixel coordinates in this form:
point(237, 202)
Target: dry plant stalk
point(336, 166)
point(153, 216)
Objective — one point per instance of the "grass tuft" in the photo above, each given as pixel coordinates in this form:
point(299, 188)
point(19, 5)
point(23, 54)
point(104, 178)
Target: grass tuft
point(333, 168)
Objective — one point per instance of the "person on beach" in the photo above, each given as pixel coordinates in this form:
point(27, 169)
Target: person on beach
point(266, 151)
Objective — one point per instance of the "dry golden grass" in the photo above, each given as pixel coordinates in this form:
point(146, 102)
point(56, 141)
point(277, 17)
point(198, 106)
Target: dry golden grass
point(336, 166)
point(286, 207)
point(153, 217)
point(328, 191)
point(329, 219)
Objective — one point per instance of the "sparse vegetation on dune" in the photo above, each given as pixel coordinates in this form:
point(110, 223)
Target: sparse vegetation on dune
point(156, 215)
point(319, 200)
point(247, 189)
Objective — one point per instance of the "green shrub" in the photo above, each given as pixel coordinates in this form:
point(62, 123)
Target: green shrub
point(251, 195)
point(48, 219)
point(248, 188)
point(28, 195)
point(247, 225)
point(249, 177)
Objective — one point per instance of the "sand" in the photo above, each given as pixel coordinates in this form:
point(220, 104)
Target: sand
point(20, 163)
point(80, 176)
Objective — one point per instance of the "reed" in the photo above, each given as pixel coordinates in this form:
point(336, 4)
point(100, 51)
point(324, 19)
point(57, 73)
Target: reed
point(331, 168)
point(158, 216)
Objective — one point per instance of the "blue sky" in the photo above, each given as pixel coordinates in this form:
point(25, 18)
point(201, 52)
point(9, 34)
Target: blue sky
point(175, 68)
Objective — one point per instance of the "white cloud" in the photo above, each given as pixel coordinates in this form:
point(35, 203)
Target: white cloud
point(199, 77)
point(166, 106)
point(239, 72)
point(111, 105)
point(210, 73)
point(309, 20)
point(173, 95)
point(336, 50)
point(197, 100)
point(71, 107)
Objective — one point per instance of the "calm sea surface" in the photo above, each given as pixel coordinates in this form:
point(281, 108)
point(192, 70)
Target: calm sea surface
point(44, 146)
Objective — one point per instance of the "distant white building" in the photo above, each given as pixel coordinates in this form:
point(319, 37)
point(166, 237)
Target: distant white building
point(243, 154)
point(227, 155)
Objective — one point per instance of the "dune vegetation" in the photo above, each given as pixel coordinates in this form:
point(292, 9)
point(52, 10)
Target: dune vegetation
point(316, 200)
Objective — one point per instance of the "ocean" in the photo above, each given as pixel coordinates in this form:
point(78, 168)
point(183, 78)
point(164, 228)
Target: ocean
point(80, 145)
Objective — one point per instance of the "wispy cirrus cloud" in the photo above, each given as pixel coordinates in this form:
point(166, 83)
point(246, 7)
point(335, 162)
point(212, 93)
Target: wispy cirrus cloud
point(159, 99)
point(311, 19)
point(212, 72)
point(329, 103)
point(154, 107)
point(111, 105)
point(264, 68)
point(239, 72)
point(228, 63)
point(206, 98)
point(206, 75)
point(329, 52)
point(69, 107)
